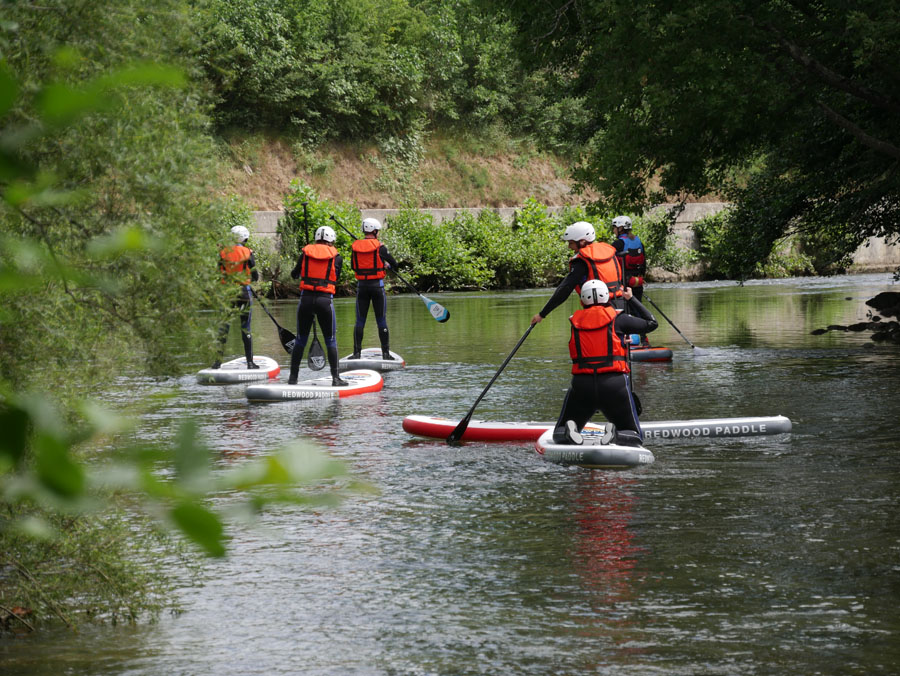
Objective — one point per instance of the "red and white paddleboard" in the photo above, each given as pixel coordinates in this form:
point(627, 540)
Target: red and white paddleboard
point(483, 430)
point(359, 382)
point(236, 372)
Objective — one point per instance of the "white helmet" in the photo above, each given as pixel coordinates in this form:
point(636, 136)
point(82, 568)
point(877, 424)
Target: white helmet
point(622, 222)
point(240, 233)
point(578, 231)
point(325, 233)
point(594, 292)
point(371, 225)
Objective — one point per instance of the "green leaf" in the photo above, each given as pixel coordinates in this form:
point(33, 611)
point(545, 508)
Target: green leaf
point(192, 459)
point(122, 240)
point(60, 104)
point(56, 469)
point(9, 91)
point(14, 423)
point(201, 526)
point(143, 74)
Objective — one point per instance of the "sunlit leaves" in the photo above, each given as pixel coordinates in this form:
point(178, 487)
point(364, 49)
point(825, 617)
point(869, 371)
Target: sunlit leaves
point(201, 526)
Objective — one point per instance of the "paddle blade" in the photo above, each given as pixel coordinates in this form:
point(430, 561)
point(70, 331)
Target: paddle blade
point(459, 430)
point(316, 357)
point(438, 311)
point(287, 339)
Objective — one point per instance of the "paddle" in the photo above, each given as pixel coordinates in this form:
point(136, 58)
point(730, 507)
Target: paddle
point(438, 311)
point(316, 357)
point(460, 429)
point(286, 337)
point(697, 350)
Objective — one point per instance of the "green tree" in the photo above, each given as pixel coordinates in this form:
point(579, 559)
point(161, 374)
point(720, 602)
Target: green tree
point(788, 108)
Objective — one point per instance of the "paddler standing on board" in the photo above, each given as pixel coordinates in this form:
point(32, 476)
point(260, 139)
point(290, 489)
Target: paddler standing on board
point(369, 260)
point(319, 269)
point(592, 260)
point(237, 266)
point(600, 366)
point(630, 250)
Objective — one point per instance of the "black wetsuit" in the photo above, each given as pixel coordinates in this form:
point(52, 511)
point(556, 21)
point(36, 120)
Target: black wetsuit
point(315, 305)
point(371, 291)
point(609, 393)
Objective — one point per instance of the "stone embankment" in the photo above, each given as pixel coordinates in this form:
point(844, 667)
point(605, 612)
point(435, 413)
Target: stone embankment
point(875, 256)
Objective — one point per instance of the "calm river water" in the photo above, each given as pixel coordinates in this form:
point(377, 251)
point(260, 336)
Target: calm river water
point(768, 555)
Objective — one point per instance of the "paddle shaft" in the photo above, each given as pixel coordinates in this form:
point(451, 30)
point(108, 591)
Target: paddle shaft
point(265, 309)
point(460, 429)
point(670, 322)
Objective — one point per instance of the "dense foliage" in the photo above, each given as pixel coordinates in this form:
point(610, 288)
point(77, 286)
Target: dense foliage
point(787, 108)
point(467, 251)
point(108, 234)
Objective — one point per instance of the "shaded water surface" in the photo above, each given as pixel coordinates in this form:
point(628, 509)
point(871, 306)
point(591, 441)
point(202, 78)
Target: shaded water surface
point(727, 556)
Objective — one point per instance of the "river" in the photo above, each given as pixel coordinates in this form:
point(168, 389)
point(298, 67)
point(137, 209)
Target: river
point(757, 555)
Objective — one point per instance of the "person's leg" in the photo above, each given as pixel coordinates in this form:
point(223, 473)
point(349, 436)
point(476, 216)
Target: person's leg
point(613, 395)
point(379, 303)
point(305, 316)
point(578, 406)
point(328, 324)
point(362, 310)
point(246, 336)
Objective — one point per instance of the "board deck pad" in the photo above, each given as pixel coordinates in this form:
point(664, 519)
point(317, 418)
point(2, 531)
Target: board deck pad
point(236, 372)
point(360, 381)
point(370, 358)
point(482, 430)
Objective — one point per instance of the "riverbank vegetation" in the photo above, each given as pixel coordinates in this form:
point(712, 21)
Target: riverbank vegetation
point(123, 122)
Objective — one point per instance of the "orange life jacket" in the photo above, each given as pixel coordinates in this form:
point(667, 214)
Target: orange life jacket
point(318, 273)
point(366, 259)
point(235, 264)
point(594, 346)
point(602, 264)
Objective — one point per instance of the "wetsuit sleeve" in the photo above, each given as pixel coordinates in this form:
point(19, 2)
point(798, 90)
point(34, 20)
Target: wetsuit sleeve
point(619, 245)
point(295, 273)
point(641, 320)
point(386, 257)
point(338, 266)
point(254, 273)
point(577, 275)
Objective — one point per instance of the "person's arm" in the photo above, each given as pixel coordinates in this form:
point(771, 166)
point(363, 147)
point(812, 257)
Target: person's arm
point(254, 273)
point(295, 273)
point(577, 275)
point(387, 258)
point(338, 265)
point(641, 320)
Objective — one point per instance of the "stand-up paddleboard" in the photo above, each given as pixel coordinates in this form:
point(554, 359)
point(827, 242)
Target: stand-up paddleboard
point(592, 453)
point(651, 354)
point(482, 430)
point(370, 358)
point(360, 382)
point(236, 371)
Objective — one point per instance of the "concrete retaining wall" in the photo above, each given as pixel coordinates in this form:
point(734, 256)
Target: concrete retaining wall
point(876, 256)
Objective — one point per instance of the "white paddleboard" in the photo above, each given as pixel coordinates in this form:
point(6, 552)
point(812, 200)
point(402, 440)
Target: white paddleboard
point(360, 382)
point(592, 454)
point(236, 371)
point(370, 358)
